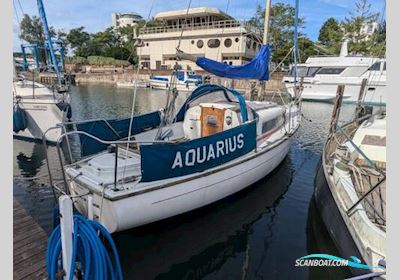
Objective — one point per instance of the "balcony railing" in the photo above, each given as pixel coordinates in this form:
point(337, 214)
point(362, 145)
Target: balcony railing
point(197, 26)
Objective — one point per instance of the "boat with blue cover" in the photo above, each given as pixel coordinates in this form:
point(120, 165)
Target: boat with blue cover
point(142, 169)
point(218, 145)
point(185, 81)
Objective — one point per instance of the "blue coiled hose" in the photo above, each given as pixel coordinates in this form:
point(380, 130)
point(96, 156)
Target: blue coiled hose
point(88, 250)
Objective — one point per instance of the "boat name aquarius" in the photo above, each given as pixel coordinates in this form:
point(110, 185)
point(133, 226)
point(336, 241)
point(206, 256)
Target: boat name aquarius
point(200, 154)
point(179, 159)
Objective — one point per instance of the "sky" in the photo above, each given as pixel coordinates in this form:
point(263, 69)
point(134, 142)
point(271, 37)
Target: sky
point(95, 15)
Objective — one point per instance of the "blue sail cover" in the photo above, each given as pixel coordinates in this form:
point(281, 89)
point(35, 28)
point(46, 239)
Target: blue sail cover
point(256, 69)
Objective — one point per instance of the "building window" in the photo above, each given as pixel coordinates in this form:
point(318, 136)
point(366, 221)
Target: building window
point(236, 39)
point(228, 42)
point(200, 44)
point(192, 42)
point(248, 43)
point(213, 43)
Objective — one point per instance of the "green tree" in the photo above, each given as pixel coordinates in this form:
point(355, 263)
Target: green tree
point(110, 44)
point(378, 40)
point(33, 33)
point(128, 36)
point(281, 27)
point(359, 41)
point(331, 35)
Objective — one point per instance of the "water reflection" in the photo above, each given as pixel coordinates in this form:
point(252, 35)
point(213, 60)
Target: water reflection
point(319, 241)
point(29, 157)
point(107, 101)
point(255, 234)
point(198, 244)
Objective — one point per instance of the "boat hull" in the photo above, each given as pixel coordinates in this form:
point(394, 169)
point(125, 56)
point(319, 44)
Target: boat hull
point(374, 95)
point(185, 195)
point(41, 117)
point(334, 221)
point(139, 84)
point(156, 84)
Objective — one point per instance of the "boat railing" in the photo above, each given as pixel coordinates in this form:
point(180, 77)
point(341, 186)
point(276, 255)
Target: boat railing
point(197, 26)
point(66, 135)
point(341, 135)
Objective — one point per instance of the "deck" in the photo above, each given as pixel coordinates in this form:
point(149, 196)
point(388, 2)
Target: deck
point(30, 242)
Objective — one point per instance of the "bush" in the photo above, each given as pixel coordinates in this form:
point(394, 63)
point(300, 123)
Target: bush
point(76, 60)
point(104, 60)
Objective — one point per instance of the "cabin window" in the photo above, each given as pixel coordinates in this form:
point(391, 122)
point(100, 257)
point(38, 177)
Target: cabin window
point(271, 124)
point(192, 42)
point(331, 71)
point(228, 42)
point(200, 44)
point(301, 71)
point(312, 71)
point(375, 67)
point(213, 43)
point(374, 140)
point(384, 66)
point(236, 39)
point(305, 71)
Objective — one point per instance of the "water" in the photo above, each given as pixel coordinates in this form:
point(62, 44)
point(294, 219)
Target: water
point(255, 234)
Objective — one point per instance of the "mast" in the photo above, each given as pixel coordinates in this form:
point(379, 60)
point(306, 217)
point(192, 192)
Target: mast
point(266, 21)
point(296, 41)
point(262, 88)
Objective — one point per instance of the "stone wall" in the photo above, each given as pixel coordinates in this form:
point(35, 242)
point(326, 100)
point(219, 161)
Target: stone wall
point(275, 82)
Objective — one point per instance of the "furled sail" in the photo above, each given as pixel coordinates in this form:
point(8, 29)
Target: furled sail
point(257, 68)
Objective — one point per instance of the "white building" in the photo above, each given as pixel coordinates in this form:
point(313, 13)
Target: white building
point(207, 32)
point(368, 29)
point(125, 19)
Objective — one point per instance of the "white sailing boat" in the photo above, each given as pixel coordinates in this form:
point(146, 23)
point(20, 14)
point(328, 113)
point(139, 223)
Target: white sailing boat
point(350, 192)
point(350, 188)
point(146, 168)
point(37, 109)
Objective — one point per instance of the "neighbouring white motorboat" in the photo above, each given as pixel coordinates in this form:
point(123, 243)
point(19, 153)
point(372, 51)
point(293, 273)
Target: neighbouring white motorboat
point(350, 192)
point(38, 108)
point(322, 74)
point(183, 80)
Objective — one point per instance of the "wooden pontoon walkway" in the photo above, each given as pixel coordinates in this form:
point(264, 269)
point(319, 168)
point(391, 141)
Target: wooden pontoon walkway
point(30, 242)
